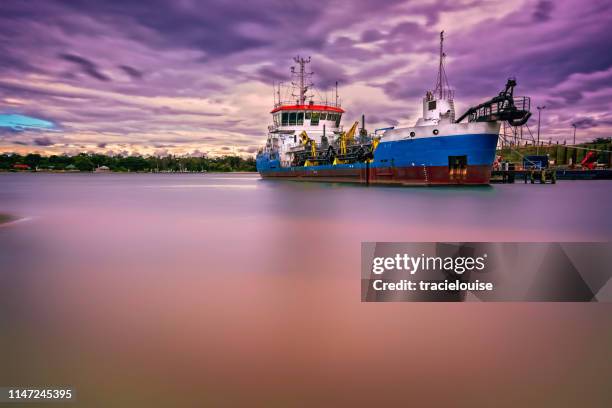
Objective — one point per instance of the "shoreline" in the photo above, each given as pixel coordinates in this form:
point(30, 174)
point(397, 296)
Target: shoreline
point(7, 218)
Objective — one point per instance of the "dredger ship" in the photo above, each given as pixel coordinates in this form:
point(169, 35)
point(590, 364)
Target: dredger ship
point(307, 142)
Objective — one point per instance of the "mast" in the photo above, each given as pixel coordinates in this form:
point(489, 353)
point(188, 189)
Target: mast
point(302, 78)
point(441, 66)
point(336, 94)
point(442, 86)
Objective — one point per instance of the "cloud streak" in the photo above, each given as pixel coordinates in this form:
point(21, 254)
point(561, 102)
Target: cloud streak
point(86, 66)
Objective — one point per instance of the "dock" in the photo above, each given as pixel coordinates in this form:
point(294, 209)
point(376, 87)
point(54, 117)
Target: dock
point(548, 175)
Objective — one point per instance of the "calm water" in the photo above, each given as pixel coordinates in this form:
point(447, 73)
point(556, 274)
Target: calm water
point(161, 290)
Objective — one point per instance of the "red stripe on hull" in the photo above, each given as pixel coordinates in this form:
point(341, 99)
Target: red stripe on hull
point(414, 175)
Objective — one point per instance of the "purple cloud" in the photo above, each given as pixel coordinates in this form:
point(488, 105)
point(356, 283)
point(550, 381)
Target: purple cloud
point(86, 66)
point(543, 10)
point(43, 141)
point(132, 72)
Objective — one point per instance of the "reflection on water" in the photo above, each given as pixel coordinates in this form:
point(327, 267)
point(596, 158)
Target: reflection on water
point(225, 186)
point(161, 290)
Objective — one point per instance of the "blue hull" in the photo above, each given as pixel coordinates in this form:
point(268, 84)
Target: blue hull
point(406, 161)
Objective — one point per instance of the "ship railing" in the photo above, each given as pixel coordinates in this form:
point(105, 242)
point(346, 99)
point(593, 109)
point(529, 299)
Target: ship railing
point(522, 103)
point(322, 103)
point(446, 94)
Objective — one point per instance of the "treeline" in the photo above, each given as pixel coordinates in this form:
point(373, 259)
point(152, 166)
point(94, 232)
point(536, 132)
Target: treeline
point(89, 162)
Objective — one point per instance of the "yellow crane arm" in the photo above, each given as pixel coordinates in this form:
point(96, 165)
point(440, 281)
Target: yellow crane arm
point(347, 137)
point(304, 137)
point(350, 135)
point(305, 140)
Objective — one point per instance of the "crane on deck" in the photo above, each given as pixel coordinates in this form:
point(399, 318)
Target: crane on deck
point(345, 139)
point(307, 141)
point(503, 107)
point(346, 149)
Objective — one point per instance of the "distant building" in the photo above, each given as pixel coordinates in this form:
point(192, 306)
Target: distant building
point(21, 167)
point(71, 167)
point(102, 169)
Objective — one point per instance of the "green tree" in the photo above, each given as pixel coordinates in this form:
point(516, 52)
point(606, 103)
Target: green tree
point(83, 163)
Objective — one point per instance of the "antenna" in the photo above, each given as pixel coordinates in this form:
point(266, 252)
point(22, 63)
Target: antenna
point(442, 87)
point(336, 93)
point(301, 79)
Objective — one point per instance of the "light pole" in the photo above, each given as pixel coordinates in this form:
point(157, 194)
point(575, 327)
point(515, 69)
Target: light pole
point(540, 108)
point(574, 151)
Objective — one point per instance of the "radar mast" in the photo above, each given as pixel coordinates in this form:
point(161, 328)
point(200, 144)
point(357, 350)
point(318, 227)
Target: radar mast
point(442, 88)
point(301, 79)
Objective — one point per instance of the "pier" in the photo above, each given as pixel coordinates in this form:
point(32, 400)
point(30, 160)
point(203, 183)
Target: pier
point(548, 175)
point(540, 162)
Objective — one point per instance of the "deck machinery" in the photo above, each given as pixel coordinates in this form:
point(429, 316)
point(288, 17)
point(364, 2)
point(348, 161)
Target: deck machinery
point(346, 148)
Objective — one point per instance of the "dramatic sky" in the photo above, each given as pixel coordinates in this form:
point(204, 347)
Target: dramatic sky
point(193, 77)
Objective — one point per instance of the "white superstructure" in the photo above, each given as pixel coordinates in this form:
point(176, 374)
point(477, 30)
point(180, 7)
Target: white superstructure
point(319, 119)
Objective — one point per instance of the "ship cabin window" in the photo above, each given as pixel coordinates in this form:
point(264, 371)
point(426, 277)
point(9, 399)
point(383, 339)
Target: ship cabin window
point(323, 116)
point(275, 117)
point(338, 117)
point(314, 119)
point(307, 117)
point(300, 118)
point(292, 118)
point(432, 105)
point(285, 121)
point(294, 139)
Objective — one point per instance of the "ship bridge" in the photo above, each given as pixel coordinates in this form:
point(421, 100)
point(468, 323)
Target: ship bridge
point(296, 110)
point(307, 116)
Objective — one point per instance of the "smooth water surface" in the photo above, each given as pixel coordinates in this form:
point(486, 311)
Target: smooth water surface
point(224, 289)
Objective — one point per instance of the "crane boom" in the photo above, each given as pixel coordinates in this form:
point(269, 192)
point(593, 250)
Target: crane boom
point(504, 106)
point(350, 135)
point(305, 140)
